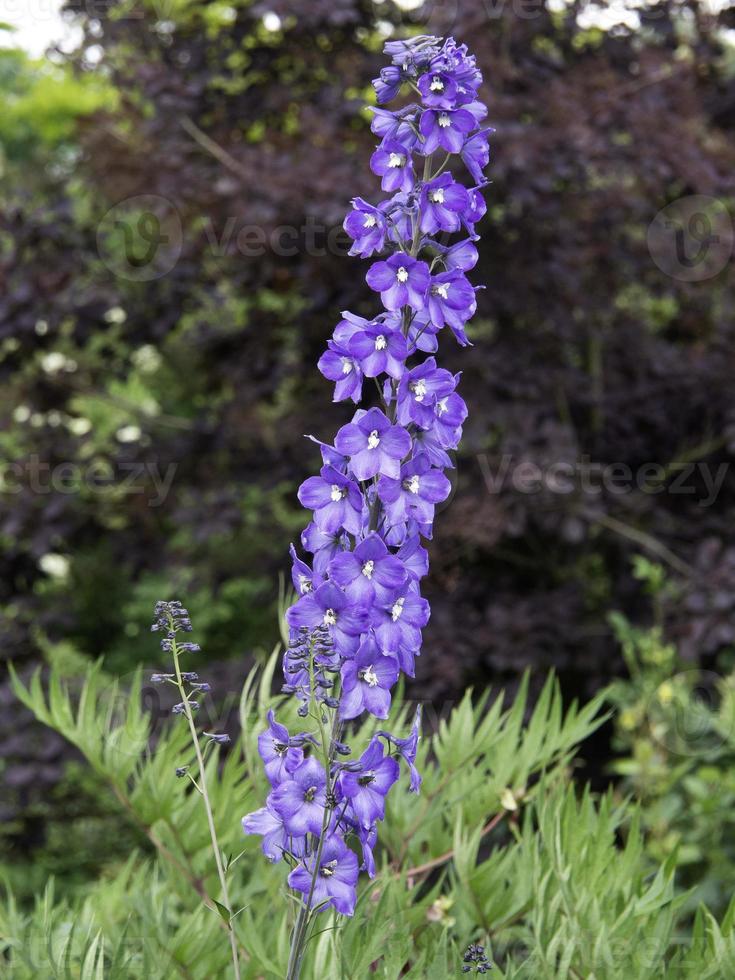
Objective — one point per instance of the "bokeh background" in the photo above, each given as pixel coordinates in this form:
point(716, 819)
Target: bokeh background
point(173, 178)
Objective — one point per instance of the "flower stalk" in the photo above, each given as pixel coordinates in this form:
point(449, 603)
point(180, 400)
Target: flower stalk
point(357, 622)
point(171, 618)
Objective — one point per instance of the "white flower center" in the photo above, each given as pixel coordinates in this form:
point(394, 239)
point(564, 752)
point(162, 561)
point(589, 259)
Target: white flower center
point(437, 85)
point(336, 493)
point(437, 196)
point(328, 869)
point(444, 120)
point(330, 617)
point(304, 584)
point(373, 439)
point(402, 274)
point(370, 222)
point(412, 484)
point(367, 568)
point(380, 342)
point(441, 406)
point(396, 160)
point(419, 389)
point(370, 677)
point(346, 365)
point(442, 290)
point(396, 611)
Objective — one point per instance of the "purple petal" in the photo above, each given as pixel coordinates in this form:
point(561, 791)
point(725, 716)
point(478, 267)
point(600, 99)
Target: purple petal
point(380, 277)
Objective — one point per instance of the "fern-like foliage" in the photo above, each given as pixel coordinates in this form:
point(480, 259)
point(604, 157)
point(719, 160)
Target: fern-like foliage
point(500, 847)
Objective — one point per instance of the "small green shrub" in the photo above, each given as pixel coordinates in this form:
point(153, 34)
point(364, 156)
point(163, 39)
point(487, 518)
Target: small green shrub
point(675, 733)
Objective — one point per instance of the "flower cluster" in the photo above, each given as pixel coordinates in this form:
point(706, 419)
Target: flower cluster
point(357, 622)
point(476, 960)
point(171, 618)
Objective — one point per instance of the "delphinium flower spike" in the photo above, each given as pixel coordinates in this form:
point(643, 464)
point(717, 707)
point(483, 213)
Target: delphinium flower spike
point(171, 619)
point(356, 624)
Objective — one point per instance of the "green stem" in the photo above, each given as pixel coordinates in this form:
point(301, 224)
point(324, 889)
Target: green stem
point(207, 806)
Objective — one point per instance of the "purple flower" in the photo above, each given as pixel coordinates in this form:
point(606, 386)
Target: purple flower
point(373, 445)
point(397, 534)
point(329, 606)
point(446, 128)
point(276, 839)
point(426, 443)
point(393, 162)
point(367, 788)
point(438, 90)
point(415, 51)
point(419, 391)
point(367, 227)
point(422, 334)
point(367, 681)
point(379, 349)
point(337, 364)
point(476, 211)
point(395, 126)
point(415, 494)
point(401, 209)
point(414, 557)
point(300, 800)
point(451, 411)
point(476, 154)
point(322, 545)
point(398, 626)
point(455, 59)
point(276, 751)
point(463, 256)
point(302, 576)
point(478, 110)
point(401, 281)
point(335, 500)
point(408, 747)
point(441, 202)
point(335, 880)
point(368, 839)
point(368, 571)
point(388, 85)
point(452, 302)
point(330, 456)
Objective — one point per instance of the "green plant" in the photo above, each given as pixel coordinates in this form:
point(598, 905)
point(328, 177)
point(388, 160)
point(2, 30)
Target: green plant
point(675, 735)
point(500, 848)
